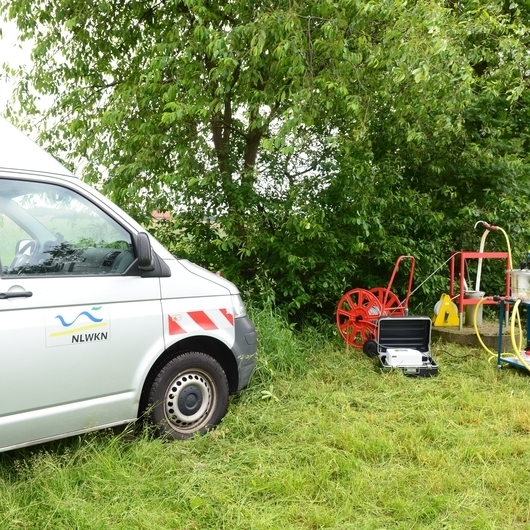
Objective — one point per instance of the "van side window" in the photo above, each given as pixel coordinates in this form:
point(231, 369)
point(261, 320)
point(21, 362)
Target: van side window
point(51, 230)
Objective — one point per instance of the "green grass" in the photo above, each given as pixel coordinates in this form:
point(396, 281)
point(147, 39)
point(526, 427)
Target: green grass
point(322, 439)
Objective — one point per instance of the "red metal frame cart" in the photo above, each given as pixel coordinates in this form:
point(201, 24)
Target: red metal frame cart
point(459, 259)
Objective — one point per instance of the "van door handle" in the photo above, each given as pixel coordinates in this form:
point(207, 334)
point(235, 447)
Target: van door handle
point(16, 294)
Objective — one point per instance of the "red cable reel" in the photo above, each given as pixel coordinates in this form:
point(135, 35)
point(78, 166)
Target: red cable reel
point(391, 305)
point(359, 309)
point(357, 313)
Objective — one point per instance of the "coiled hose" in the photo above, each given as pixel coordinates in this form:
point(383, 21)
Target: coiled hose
point(515, 320)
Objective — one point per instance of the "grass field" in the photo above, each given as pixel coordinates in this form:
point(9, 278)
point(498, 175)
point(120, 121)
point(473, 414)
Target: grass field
point(320, 440)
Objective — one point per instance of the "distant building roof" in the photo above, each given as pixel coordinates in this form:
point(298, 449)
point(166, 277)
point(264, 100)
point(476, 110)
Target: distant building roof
point(161, 216)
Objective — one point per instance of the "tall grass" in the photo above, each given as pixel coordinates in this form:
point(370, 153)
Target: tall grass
point(321, 439)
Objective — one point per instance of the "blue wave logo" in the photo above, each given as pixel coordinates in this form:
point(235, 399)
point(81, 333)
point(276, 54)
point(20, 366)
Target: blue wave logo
point(86, 313)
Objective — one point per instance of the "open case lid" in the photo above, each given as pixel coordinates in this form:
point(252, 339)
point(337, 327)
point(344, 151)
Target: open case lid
point(404, 332)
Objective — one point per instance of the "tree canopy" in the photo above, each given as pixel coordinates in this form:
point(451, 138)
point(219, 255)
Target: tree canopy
point(301, 147)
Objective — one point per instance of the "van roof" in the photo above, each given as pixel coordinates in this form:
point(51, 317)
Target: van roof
point(18, 152)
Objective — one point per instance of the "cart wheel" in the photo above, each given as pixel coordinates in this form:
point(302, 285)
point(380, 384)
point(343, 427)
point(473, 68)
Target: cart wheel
point(389, 302)
point(371, 348)
point(357, 313)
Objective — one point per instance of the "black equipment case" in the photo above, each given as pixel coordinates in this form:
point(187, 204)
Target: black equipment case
point(404, 338)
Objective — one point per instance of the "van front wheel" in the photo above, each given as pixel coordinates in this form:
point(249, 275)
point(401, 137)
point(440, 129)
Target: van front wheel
point(188, 396)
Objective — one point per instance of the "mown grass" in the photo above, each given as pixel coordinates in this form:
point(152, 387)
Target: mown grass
point(320, 440)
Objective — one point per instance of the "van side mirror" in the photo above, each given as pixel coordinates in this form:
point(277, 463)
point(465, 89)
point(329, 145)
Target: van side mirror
point(146, 261)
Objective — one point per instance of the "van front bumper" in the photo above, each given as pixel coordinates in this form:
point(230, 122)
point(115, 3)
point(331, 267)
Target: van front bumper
point(244, 349)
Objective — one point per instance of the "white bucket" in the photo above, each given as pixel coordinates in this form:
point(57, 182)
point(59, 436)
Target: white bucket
point(520, 283)
point(469, 310)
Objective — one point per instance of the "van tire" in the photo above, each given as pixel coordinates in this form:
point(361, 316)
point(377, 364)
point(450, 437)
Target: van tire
point(188, 396)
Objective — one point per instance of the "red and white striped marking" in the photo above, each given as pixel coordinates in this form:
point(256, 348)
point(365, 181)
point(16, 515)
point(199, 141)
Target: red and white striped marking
point(199, 320)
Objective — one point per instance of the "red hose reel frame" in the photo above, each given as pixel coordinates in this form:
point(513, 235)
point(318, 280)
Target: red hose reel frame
point(359, 309)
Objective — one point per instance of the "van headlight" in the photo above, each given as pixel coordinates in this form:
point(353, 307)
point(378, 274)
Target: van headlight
point(239, 306)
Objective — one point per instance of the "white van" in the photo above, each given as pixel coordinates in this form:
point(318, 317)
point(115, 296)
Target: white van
point(99, 323)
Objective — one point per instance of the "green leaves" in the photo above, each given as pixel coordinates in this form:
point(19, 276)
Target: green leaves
point(301, 147)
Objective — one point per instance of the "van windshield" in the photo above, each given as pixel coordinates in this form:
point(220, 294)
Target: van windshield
point(49, 229)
